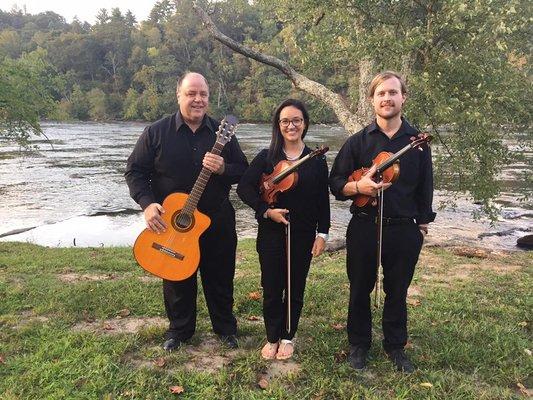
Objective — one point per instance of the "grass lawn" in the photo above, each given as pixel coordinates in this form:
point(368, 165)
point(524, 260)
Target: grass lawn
point(88, 324)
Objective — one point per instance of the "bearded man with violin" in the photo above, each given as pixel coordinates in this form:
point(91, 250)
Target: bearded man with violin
point(168, 158)
point(299, 201)
point(407, 210)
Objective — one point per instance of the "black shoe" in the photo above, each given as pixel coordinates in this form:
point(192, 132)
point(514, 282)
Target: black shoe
point(229, 341)
point(172, 344)
point(401, 361)
point(358, 357)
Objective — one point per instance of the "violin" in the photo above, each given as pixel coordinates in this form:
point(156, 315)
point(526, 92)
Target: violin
point(284, 176)
point(387, 168)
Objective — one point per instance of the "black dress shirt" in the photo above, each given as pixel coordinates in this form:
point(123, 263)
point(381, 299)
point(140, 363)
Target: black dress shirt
point(411, 195)
point(307, 202)
point(168, 158)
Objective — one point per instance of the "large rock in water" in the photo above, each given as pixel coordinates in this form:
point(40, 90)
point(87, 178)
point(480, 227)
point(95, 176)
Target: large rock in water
point(525, 242)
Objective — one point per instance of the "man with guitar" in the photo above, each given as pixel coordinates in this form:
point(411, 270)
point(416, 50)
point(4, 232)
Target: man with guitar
point(407, 210)
point(168, 158)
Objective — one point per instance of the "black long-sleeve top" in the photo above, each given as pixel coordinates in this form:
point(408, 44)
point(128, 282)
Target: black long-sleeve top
point(307, 202)
point(411, 195)
point(168, 158)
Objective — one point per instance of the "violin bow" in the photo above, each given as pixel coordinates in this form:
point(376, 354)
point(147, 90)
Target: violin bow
point(288, 289)
point(377, 287)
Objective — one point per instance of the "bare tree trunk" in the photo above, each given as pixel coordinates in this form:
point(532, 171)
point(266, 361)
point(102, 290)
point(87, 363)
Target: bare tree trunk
point(347, 118)
point(406, 66)
point(364, 108)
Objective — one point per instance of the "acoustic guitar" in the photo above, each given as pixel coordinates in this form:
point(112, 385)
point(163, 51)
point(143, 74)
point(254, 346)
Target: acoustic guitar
point(175, 254)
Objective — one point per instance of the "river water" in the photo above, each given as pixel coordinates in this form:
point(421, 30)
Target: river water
point(71, 191)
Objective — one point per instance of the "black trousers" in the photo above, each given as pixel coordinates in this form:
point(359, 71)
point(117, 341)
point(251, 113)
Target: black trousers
point(271, 247)
point(217, 270)
point(400, 251)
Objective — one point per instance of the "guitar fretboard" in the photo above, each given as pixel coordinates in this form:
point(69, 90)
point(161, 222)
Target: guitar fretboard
point(201, 182)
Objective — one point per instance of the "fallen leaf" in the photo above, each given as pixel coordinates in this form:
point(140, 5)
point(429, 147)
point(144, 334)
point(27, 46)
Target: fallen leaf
point(263, 383)
point(340, 356)
point(523, 324)
point(525, 391)
point(2, 361)
point(408, 345)
point(108, 327)
point(176, 389)
point(253, 318)
point(426, 384)
point(124, 312)
point(254, 295)
point(320, 395)
point(527, 351)
point(159, 362)
point(413, 302)
point(338, 327)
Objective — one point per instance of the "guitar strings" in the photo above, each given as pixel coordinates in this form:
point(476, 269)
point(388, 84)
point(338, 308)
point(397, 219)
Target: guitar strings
point(182, 217)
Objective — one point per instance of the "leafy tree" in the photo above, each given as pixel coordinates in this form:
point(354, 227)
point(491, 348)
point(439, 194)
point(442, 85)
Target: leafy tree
point(79, 104)
point(24, 98)
point(457, 57)
point(97, 104)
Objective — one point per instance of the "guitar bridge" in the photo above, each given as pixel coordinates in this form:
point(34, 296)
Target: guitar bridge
point(167, 251)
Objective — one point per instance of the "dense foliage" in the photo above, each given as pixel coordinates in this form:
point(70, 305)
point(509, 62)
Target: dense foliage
point(466, 62)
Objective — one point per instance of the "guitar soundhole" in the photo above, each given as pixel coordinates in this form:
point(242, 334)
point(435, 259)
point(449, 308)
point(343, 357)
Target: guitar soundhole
point(182, 222)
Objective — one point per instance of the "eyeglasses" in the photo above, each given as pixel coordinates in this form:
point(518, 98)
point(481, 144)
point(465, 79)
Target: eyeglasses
point(295, 121)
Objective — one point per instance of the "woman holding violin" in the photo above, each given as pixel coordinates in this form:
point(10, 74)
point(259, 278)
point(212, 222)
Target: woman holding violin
point(301, 199)
point(406, 212)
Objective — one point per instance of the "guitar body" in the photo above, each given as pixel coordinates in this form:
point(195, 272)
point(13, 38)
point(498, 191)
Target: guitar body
point(175, 254)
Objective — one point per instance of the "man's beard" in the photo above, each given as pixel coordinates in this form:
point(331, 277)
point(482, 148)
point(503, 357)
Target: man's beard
point(388, 116)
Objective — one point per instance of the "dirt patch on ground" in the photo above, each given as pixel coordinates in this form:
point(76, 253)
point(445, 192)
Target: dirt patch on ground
point(278, 370)
point(118, 325)
point(27, 318)
point(209, 356)
point(414, 291)
point(481, 260)
point(498, 268)
point(73, 277)
point(149, 279)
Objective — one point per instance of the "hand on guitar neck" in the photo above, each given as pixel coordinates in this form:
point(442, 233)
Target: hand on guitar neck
point(214, 163)
point(365, 185)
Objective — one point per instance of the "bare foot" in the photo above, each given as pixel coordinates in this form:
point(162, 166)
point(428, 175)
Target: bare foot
point(269, 350)
point(285, 350)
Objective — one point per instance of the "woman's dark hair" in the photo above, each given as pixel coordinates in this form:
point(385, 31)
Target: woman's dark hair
point(275, 153)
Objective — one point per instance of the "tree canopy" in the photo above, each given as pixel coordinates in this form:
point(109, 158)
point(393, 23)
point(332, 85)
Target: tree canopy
point(466, 63)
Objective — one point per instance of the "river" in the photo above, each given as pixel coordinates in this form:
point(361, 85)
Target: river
point(70, 190)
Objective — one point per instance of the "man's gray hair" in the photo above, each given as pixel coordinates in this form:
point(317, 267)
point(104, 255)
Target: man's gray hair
point(182, 77)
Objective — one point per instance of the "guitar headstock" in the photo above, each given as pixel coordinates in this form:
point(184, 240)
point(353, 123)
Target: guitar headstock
point(227, 129)
point(422, 138)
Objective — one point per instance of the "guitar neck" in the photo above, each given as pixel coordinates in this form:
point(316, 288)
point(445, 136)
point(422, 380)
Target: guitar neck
point(200, 184)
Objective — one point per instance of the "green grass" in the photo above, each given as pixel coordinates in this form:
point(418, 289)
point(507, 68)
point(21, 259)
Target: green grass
point(469, 333)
